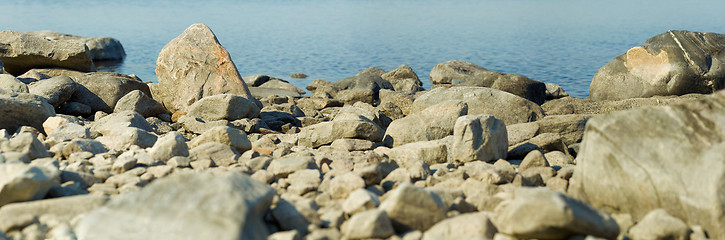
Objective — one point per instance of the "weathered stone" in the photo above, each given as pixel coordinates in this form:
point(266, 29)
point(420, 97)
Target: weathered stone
point(69, 131)
point(479, 138)
point(222, 134)
point(571, 105)
point(102, 90)
point(465, 73)
point(401, 100)
point(671, 63)
point(360, 200)
point(341, 186)
point(83, 145)
point(198, 126)
point(534, 158)
point(369, 224)
point(413, 208)
point(570, 127)
point(22, 52)
point(220, 154)
point(303, 181)
point(53, 123)
point(432, 123)
point(343, 126)
point(23, 109)
point(510, 108)
point(430, 152)
point(638, 160)
point(122, 138)
point(75, 109)
point(543, 142)
point(12, 83)
point(289, 217)
point(169, 146)
point(465, 226)
point(193, 66)
point(520, 132)
point(658, 224)
point(139, 102)
point(363, 81)
point(554, 91)
point(224, 106)
point(281, 84)
point(21, 182)
point(542, 213)
point(27, 144)
point(347, 144)
point(403, 79)
point(119, 120)
point(100, 48)
point(56, 90)
point(282, 167)
point(154, 211)
point(60, 209)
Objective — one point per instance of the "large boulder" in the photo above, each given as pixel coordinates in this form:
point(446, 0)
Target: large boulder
point(194, 65)
point(100, 48)
point(468, 74)
point(510, 108)
point(23, 109)
point(666, 157)
point(432, 123)
point(102, 90)
point(184, 206)
point(671, 63)
point(21, 52)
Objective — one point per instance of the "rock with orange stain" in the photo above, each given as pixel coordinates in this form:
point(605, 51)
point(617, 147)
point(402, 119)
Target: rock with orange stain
point(672, 63)
point(195, 65)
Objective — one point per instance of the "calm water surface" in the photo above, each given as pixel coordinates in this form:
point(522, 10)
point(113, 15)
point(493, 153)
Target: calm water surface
point(559, 41)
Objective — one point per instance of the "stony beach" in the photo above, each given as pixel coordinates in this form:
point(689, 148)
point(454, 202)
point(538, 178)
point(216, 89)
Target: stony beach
point(208, 154)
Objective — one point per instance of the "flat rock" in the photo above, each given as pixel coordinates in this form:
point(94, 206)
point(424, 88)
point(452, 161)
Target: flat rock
point(100, 48)
point(638, 160)
point(61, 209)
point(218, 153)
point(22, 52)
point(165, 209)
point(101, 91)
point(468, 74)
point(541, 213)
point(432, 123)
point(224, 106)
point(671, 63)
point(120, 119)
point(194, 65)
point(508, 107)
point(479, 138)
point(23, 109)
point(342, 126)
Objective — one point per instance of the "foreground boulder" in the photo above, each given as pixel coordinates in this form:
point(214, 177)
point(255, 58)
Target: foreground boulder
point(23, 109)
point(21, 52)
point(22, 182)
point(510, 108)
point(469, 74)
point(100, 48)
point(671, 63)
point(102, 90)
point(666, 157)
point(184, 206)
point(194, 65)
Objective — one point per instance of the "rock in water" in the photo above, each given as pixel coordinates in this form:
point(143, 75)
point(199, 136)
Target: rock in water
point(666, 157)
point(194, 65)
point(100, 48)
point(22, 52)
point(469, 74)
point(671, 63)
point(23, 109)
point(184, 206)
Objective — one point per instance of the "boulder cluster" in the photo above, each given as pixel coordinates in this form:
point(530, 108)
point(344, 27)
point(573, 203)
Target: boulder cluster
point(207, 154)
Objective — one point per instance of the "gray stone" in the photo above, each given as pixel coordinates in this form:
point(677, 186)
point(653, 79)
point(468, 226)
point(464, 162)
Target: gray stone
point(638, 160)
point(69, 131)
point(347, 144)
point(224, 106)
point(168, 146)
point(671, 63)
point(285, 235)
point(33, 75)
point(402, 101)
point(100, 48)
point(465, 73)
point(102, 90)
point(10, 82)
point(343, 126)
point(360, 200)
point(534, 158)
point(56, 90)
point(554, 91)
point(542, 213)
point(60, 209)
point(155, 211)
point(429, 152)
point(479, 138)
point(289, 217)
point(22, 52)
point(658, 224)
point(570, 127)
point(218, 153)
point(75, 109)
point(465, 226)
point(122, 138)
point(193, 66)
point(23, 109)
point(510, 108)
point(282, 167)
point(369, 224)
point(363, 81)
point(21, 182)
point(83, 145)
point(263, 92)
point(222, 134)
point(403, 79)
point(413, 208)
point(520, 132)
point(543, 142)
point(139, 102)
point(341, 186)
point(27, 144)
point(432, 123)
point(119, 120)
point(571, 105)
point(281, 84)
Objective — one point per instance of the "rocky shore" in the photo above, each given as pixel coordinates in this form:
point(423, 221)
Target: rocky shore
point(208, 154)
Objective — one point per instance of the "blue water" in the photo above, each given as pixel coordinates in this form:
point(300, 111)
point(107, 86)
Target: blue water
point(559, 41)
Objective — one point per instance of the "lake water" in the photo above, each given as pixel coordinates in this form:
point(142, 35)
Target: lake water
point(559, 41)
